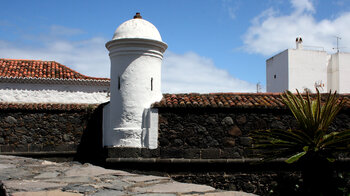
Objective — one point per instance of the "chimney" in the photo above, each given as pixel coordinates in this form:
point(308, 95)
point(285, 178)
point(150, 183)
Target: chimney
point(299, 43)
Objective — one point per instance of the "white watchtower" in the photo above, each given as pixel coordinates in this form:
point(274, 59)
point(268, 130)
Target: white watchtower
point(136, 53)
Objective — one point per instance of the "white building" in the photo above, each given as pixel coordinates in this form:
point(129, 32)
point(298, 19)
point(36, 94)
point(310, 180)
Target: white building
point(36, 81)
point(307, 69)
point(136, 53)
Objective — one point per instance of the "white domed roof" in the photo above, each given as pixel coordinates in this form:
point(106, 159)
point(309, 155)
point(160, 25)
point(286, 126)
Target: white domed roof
point(137, 28)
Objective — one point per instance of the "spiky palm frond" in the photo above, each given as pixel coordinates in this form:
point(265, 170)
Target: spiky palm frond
point(314, 118)
point(311, 115)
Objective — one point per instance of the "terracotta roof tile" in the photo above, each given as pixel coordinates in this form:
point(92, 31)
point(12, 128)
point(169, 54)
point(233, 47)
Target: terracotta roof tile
point(21, 68)
point(228, 100)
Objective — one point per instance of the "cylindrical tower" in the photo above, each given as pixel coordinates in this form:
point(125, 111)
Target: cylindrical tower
point(136, 53)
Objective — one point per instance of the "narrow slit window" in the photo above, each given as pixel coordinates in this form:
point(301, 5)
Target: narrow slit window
point(151, 84)
point(275, 76)
point(118, 82)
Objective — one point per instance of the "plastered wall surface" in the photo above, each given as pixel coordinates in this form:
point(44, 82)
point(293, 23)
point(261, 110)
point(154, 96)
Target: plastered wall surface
point(52, 93)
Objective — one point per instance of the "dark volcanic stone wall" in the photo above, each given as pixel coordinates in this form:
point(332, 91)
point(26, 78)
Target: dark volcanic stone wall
point(41, 131)
point(52, 130)
point(223, 133)
point(260, 183)
point(200, 133)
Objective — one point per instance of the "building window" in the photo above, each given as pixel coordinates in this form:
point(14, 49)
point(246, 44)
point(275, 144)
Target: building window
point(118, 82)
point(274, 76)
point(151, 84)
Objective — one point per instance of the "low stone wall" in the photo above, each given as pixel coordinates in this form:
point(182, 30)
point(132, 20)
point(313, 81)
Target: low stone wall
point(44, 129)
point(197, 133)
point(211, 146)
point(208, 133)
point(223, 133)
point(261, 183)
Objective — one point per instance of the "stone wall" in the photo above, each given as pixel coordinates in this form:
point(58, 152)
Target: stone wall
point(261, 183)
point(57, 129)
point(202, 133)
point(223, 133)
point(197, 133)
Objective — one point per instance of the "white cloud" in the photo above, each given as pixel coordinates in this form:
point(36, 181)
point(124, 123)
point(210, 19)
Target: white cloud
point(303, 5)
point(272, 32)
point(230, 7)
point(190, 72)
point(64, 31)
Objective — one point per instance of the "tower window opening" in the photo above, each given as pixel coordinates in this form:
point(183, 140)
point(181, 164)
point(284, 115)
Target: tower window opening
point(151, 84)
point(118, 82)
point(274, 76)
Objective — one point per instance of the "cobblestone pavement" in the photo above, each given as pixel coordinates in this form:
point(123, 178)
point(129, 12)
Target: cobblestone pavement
point(21, 176)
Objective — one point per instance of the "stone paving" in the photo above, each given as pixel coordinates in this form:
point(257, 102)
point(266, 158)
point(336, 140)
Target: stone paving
point(32, 177)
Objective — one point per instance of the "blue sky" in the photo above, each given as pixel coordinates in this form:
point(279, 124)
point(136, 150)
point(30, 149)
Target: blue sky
point(214, 45)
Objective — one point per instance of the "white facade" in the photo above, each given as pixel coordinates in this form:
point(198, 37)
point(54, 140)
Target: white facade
point(339, 71)
point(34, 90)
point(277, 72)
point(307, 69)
point(136, 53)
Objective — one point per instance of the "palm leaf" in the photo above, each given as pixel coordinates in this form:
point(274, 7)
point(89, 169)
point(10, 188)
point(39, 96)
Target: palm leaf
point(314, 118)
point(277, 135)
point(295, 157)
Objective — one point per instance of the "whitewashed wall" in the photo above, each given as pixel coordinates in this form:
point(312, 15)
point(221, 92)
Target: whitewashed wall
point(277, 66)
point(297, 69)
point(136, 53)
point(333, 73)
point(300, 69)
point(52, 93)
point(344, 72)
point(306, 67)
point(135, 85)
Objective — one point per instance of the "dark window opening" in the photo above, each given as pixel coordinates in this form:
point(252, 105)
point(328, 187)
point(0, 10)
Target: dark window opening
point(118, 82)
point(274, 76)
point(151, 84)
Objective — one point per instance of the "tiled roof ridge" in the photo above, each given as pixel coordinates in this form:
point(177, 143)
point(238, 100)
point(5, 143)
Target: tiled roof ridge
point(229, 100)
point(46, 106)
point(224, 93)
point(70, 70)
point(248, 93)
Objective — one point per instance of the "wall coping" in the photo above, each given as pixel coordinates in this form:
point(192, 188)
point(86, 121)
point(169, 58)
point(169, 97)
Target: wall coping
point(46, 106)
point(31, 80)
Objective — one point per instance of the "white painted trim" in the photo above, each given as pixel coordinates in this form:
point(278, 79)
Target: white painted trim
point(54, 81)
point(150, 128)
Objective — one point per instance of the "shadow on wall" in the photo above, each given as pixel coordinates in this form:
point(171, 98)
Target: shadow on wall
point(90, 148)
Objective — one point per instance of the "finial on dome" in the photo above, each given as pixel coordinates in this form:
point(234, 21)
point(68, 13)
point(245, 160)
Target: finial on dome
point(138, 16)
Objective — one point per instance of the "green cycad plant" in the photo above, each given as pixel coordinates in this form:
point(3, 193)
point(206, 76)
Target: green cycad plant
point(312, 145)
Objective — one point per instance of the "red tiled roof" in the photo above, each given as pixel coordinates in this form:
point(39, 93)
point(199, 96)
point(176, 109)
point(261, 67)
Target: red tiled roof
point(21, 68)
point(227, 100)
